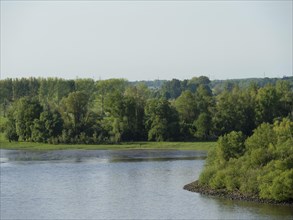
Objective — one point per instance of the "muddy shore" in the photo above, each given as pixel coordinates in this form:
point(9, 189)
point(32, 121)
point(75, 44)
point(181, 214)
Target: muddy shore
point(195, 187)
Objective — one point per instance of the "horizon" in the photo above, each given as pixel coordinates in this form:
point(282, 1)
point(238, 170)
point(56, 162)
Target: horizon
point(77, 78)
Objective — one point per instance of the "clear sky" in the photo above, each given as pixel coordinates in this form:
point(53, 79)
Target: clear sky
point(146, 40)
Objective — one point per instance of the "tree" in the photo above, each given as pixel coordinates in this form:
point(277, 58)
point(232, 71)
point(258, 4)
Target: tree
point(87, 86)
point(26, 111)
point(52, 90)
point(232, 145)
point(5, 95)
point(187, 110)
point(232, 111)
point(10, 131)
point(201, 80)
point(259, 167)
point(75, 111)
point(48, 126)
point(267, 104)
point(162, 120)
point(114, 107)
point(134, 102)
point(105, 88)
point(203, 126)
point(126, 113)
point(285, 92)
point(204, 99)
point(186, 106)
point(24, 87)
point(171, 89)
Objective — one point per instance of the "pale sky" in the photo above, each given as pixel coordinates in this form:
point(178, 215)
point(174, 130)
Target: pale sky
point(146, 40)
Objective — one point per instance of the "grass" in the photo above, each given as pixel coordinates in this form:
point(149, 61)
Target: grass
point(4, 144)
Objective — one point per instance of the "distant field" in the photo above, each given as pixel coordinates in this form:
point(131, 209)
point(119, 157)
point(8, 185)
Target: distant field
point(4, 144)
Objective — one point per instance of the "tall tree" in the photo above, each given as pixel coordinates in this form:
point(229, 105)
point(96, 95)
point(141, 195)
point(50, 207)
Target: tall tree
point(5, 95)
point(285, 93)
point(186, 106)
point(75, 112)
point(134, 102)
point(203, 126)
point(267, 104)
point(105, 88)
point(234, 111)
point(48, 126)
point(187, 109)
point(162, 120)
point(171, 89)
point(52, 90)
point(26, 111)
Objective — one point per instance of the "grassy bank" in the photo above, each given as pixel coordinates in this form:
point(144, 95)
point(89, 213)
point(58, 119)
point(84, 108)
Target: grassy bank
point(4, 144)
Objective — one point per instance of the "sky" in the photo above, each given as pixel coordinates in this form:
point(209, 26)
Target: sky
point(146, 40)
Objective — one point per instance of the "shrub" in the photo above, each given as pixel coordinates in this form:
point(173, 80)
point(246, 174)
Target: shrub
point(261, 166)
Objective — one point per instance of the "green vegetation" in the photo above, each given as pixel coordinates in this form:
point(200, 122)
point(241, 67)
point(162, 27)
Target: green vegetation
point(84, 111)
point(259, 166)
point(205, 146)
point(51, 114)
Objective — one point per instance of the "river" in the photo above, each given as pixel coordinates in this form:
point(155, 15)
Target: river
point(128, 184)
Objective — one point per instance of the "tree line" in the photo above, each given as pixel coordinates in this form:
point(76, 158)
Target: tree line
point(54, 110)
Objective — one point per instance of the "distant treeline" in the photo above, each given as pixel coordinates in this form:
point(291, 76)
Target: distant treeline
point(55, 110)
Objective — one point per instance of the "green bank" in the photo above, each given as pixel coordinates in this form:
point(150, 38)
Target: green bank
point(4, 144)
point(255, 168)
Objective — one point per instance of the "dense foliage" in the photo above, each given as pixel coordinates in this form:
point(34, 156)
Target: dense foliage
point(55, 110)
point(261, 165)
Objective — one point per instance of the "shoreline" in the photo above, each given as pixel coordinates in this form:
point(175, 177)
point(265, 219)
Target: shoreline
point(195, 187)
point(202, 146)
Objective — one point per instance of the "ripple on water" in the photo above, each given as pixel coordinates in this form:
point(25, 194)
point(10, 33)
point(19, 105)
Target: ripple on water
point(114, 185)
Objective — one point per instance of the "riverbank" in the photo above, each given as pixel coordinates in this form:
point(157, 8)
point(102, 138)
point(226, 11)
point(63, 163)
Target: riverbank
point(195, 187)
point(205, 146)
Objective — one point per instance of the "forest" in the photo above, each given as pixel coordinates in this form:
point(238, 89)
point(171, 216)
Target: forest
point(54, 110)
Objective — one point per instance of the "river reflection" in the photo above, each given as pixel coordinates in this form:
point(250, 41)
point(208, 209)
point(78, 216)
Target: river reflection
point(141, 184)
point(100, 155)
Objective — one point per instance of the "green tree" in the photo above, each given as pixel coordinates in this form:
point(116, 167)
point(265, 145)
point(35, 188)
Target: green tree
point(52, 90)
point(171, 89)
point(285, 92)
point(203, 126)
point(267, 104)
point(87, 86)
point(24, 87)
point(161, 120)
point(186, 107)
point(48, 126)
point(125, 113)
point(232, 111)
point(27, 110)
point(262, 166)
point(232, 145)
point(105, 88)
point(10, 131)
point(75, 112)
point(204, 99)
point(135, 98)
point(5, 95)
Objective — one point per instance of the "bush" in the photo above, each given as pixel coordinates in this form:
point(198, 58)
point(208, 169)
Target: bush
point(232, 145)
point(261, 166)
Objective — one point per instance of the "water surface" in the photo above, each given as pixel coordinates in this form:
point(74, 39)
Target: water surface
point(128, 184)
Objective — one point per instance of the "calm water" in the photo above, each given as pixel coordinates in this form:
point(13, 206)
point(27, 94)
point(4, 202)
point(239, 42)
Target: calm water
point(114, 185)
